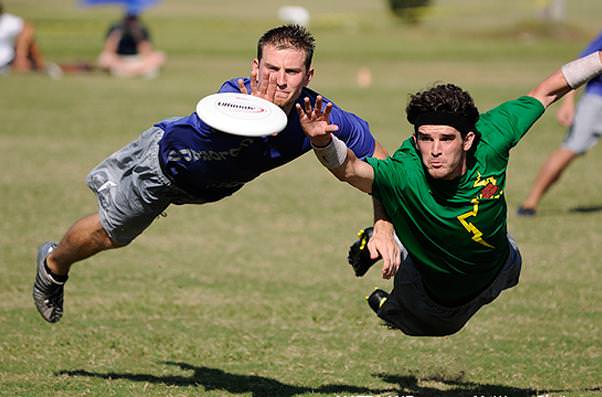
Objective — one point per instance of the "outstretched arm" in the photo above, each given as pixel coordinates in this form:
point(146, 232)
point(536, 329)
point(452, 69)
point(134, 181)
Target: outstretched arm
point(383, 244)
point(569, 77)
point(344, 164)
point(331, 151)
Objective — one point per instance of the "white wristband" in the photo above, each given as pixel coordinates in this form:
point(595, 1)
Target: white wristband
point(583, 69)
point(332, 155)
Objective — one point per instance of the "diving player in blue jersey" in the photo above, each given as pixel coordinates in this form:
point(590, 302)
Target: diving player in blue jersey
point(183, 161)
point(210, 165)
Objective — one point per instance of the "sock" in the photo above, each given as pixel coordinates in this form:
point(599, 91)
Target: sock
point(58, 278)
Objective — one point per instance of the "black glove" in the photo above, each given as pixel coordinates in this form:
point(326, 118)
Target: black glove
point(359, 255)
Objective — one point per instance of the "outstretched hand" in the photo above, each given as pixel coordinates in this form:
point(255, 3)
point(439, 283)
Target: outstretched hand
point(566, 114)
point(315, 121)
point(264, 88)
point(382, 244)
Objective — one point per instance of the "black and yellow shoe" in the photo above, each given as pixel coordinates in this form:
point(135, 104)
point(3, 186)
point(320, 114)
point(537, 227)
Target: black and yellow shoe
point(359, 255)
point(377, 299)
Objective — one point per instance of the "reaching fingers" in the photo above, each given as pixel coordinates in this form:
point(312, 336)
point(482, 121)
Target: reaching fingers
point(241, 86)
point(380, 245)
point(253, 81)
point(307, 105)
point(263, 84)
point(386, 272)
point(300, 111)
point(373, 250)
point(318, 107)
point(386, 269)
point(324, 114)
point(390, 269)
point(315, 114)
point(327, 111)
point(392, 261)
point(271, 88)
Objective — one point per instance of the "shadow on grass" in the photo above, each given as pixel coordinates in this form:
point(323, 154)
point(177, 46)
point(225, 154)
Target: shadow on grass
point(213, 379)
point(555, 212)
point(586, 210)
point(457, 387)
point(216, 379)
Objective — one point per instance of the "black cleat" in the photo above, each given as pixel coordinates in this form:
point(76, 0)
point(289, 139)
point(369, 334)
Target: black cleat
point(359, 255)
point(377, 299)
point(526, 212)
point(47, 292)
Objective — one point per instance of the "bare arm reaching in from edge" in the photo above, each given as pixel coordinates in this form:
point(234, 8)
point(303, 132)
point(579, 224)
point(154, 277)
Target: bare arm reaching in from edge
point(345, 165)
point(571, 76)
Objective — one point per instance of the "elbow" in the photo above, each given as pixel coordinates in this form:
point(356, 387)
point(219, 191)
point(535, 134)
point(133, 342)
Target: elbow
point(551, 89)
point(350, 176)
point(341, 174)
point(346, 172)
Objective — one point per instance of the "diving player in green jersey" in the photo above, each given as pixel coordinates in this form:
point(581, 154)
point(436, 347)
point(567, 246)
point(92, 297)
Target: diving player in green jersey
point(443, 191)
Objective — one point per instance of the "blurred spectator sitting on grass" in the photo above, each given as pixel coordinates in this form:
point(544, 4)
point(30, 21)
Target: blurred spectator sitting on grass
point(18, 48)
point(128, 51)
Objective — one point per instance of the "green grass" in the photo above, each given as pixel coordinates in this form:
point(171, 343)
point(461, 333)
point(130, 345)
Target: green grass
point(252, 295)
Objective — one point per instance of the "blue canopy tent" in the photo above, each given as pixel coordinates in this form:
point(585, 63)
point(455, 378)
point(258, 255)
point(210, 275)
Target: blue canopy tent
point(133, 7)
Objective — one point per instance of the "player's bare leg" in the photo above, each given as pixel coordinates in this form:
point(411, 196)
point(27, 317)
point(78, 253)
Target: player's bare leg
point(548, 174)
point(85, 238)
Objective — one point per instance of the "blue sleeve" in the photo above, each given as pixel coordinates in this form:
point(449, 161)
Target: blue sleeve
point(232, 85)
point(354, 131)
point(595, 45)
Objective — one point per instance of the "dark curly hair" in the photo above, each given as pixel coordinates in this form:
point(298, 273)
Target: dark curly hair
point(288, 36)
point(446, 99)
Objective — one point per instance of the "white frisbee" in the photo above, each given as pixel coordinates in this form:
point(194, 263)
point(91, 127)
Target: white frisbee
point(241, 114)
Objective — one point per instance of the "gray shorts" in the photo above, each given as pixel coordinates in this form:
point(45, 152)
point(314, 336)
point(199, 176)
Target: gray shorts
point(411, 309)
point(131, 188)
point(587, 126)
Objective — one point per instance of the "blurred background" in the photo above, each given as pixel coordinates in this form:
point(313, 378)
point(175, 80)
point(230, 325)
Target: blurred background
point(252, 295)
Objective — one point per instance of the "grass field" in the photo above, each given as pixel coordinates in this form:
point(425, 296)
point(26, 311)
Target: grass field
point(252, 296)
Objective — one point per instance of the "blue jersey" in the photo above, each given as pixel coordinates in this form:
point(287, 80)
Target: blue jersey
point(210, 165)
point(594, 86)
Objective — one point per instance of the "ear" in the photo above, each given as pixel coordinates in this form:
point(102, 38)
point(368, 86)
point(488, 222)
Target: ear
point(309, 75)
point(469, 141)
point(255, 66)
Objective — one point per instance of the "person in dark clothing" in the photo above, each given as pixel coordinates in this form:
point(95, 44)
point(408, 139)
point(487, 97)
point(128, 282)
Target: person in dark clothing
point(128, 51)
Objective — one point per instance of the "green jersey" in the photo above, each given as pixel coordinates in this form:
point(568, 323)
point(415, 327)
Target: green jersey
point(455, 231)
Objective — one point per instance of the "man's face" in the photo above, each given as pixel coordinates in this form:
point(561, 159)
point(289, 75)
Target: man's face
point(291, 74)
point(443, 150)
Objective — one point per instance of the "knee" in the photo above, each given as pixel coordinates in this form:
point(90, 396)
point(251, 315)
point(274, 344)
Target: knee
point(91, 228)
point(104, 240)
point(28, 31)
